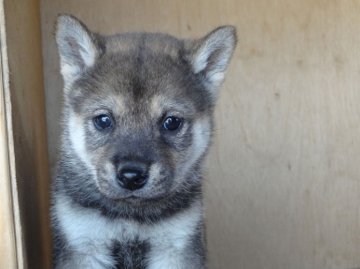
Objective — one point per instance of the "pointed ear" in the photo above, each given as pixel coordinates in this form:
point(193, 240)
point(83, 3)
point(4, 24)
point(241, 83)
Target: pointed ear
point(211, 55)
point(78, 47)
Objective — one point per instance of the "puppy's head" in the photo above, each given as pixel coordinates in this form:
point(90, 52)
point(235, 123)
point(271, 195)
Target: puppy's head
point(138, 106)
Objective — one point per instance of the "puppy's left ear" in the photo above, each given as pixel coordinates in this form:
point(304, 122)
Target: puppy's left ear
point(78, 47)
point(210, 56)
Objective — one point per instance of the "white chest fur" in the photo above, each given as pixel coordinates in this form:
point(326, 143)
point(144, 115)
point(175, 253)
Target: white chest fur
point(90, 234)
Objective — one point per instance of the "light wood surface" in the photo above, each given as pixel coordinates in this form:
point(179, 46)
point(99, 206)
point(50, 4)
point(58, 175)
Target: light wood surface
point(27, 133)
point(282, 191)
point(8, 253)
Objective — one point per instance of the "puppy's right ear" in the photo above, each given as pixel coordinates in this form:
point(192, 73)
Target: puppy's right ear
point(78, 47)
point(210, 56)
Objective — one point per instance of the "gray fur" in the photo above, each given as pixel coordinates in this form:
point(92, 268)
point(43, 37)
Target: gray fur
point(138, 79)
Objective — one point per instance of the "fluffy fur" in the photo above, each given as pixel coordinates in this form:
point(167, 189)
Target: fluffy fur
point(138, 80)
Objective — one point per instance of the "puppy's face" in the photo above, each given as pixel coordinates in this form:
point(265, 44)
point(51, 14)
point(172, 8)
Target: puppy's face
point(139, 106)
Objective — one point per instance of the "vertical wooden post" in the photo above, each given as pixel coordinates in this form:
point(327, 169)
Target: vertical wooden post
point(23, 161)
point(8, 255)
point(8, 246)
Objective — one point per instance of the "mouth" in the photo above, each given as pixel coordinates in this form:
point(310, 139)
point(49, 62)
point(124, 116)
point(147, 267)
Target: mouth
point(155, 189)
point(132, 199)
point(137, 198)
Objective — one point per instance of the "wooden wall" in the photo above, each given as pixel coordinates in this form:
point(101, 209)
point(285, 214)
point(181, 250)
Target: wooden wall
point(8, 251)
point(26, 140)
point(283, 182)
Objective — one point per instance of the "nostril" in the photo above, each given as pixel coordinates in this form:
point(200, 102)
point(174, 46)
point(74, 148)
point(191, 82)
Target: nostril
point(132, 179)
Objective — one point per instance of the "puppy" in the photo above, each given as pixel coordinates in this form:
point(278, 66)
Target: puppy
point(137, 123)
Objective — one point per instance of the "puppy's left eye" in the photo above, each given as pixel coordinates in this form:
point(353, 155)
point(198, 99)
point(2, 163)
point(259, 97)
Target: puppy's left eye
point(172, 123)
point(102, 122)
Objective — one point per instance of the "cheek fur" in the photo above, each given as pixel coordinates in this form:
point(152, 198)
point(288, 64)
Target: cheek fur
point(78, 139)
point(200, 140)
point(201, 134)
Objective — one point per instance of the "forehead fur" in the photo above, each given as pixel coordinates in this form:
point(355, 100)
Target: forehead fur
point(157, 43)
point(138, 67)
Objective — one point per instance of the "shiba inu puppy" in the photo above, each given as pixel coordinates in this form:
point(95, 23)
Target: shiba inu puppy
point(137, 123)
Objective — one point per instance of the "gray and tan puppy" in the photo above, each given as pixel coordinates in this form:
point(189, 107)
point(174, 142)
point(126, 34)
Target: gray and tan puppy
point(137, 123)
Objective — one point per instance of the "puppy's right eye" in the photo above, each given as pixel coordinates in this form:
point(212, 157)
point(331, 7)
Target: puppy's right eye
point(102, 122)
point(172, 123)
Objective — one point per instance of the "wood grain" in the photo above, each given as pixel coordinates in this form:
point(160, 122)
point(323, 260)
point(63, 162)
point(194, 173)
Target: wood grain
point(8, 253)
point(283, 188)
point(28, 151)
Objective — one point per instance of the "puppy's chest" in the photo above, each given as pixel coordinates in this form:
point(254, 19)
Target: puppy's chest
point(128, 244)
point(130, 255)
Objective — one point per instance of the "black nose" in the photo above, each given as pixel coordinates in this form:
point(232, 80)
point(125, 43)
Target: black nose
point(132, 177)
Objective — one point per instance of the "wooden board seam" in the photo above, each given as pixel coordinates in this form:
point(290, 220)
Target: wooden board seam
point(19, 246)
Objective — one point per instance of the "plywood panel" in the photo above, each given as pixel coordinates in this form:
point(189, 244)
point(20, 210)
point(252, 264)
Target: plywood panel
point(29, 166)
point(8, 254)
point(283, 188)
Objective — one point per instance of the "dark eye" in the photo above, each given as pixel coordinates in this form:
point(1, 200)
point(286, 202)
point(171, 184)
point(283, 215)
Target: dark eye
point(172, 123)
point(102, 122)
